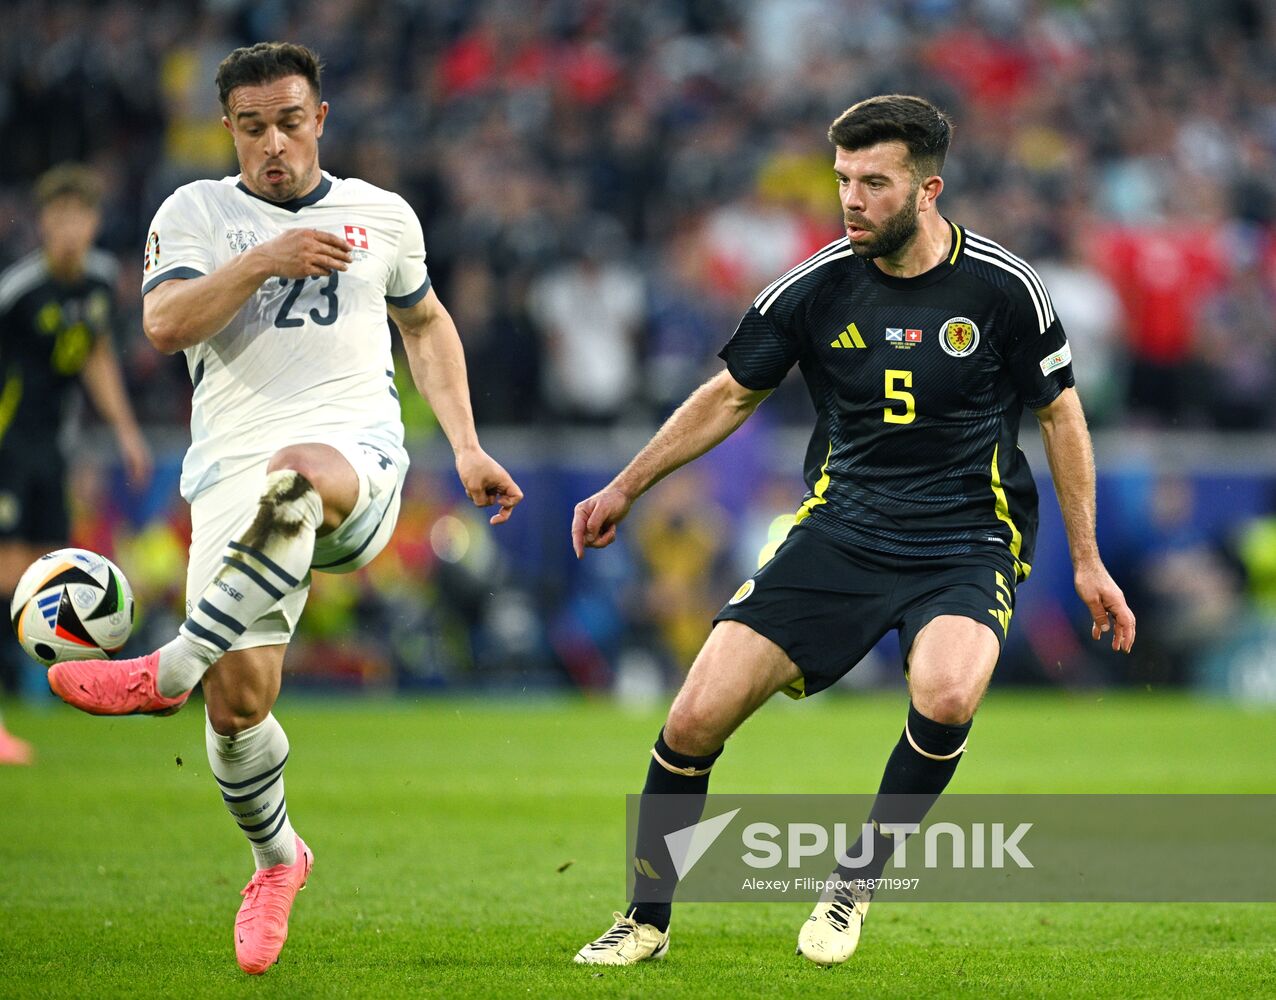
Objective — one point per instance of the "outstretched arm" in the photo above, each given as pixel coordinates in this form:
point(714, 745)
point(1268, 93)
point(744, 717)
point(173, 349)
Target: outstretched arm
point(1068, 448)
point(437, 360)
point(709, 415)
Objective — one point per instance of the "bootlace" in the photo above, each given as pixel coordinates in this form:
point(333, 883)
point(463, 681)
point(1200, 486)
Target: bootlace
point(620, 930)
point(137, 681)
point(258, 882)
point(840, 912)
point(841, 909)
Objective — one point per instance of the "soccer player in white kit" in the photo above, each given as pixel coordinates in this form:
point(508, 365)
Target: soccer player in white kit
point(276, 285)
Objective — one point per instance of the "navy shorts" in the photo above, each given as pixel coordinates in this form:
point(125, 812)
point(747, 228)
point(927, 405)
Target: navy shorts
point(827, 603)
point(33, 497)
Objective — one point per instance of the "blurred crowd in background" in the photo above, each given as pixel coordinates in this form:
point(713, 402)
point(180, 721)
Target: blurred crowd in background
point(605, 185)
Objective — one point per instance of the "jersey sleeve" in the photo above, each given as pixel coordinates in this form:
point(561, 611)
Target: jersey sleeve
point(1040, 358)
point(759, 354)
point(409, 280)
point(179, 243)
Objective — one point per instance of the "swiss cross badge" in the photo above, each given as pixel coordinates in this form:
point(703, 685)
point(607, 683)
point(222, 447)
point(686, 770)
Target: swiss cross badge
point(357, 237)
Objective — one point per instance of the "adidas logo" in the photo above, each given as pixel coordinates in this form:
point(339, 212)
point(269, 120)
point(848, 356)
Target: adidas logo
point(850, 337)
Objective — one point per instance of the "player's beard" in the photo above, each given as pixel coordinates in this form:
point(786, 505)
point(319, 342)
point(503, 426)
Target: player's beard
point(892, 235)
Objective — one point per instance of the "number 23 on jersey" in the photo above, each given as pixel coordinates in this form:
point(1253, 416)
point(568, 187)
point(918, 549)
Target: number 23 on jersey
point(324, 314)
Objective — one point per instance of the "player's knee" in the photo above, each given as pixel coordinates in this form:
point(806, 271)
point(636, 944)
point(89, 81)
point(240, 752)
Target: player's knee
point(314, 482)
point(693, 729)
point(952, 707)
point(291, 499)
point(297, 460)
point(234, 714)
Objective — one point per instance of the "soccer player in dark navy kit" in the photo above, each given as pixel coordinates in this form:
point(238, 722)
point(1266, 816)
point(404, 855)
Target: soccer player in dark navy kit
point(920, 343)
point(57, 311)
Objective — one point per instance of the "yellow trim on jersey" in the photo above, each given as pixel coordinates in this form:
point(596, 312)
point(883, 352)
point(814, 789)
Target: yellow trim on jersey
point(821, 486)
point(795, 689)
point(956, 243)
point(1022, 569)
point(9, 400)
point(1004, 613)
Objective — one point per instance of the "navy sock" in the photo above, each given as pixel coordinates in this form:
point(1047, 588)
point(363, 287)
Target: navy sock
point(655, 878)
point(910, 784)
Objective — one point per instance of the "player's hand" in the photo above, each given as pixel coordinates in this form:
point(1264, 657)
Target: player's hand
point(486, 483)
point(138, 463)
point(594, 524)
point(305, 253)
point(1108, 610)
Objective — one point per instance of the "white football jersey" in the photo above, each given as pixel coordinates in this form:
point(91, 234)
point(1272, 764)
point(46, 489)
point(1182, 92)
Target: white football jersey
point(303, 358)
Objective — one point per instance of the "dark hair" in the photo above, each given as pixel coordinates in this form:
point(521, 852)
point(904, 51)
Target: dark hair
point(267, 62)
point(914, 121)
point(69, 180)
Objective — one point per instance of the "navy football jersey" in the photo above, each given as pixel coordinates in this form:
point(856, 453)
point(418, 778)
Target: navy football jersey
point(919, 385)
point(47, 332)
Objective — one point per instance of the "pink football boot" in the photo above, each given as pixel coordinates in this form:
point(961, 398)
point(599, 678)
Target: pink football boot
point(261, 927)
point(14, 750)
point(113, 687)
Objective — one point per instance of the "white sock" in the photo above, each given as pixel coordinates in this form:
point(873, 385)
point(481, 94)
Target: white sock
point(269, 560)
point(249, 768)
point(182, 663)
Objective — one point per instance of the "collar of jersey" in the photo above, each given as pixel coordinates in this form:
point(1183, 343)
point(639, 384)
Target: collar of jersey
point(294, 204)
point(937, 273)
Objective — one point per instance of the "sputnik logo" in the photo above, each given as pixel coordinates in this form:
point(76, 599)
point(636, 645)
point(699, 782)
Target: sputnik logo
point(688, 845)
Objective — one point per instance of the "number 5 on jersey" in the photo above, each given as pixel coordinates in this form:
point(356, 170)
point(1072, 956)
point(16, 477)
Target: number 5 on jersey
point(890, 414)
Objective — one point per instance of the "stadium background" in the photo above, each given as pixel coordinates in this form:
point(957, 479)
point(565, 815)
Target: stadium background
point(603, 188)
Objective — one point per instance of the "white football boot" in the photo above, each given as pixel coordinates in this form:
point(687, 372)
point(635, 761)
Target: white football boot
point(832, 931)
point(625, 943)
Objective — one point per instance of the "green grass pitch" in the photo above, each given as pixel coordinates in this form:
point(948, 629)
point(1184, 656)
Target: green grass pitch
point(468, 848)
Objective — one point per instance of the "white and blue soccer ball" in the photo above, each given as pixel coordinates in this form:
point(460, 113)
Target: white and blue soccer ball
point(72, 604)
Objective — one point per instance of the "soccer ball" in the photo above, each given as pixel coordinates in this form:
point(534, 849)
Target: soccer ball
point(72, 604)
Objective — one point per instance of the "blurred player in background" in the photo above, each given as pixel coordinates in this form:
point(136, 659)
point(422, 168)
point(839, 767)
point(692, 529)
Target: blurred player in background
point(276, 284)
point(57, 314)
point(920, 343)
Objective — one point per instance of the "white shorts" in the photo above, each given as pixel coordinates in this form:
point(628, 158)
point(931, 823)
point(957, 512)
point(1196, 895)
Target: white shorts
point(223, 510)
